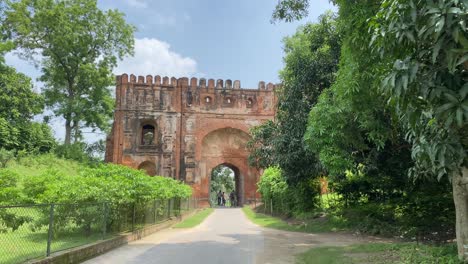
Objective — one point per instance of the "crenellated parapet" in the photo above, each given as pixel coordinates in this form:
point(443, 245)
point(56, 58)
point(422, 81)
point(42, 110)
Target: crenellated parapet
point(193, 82)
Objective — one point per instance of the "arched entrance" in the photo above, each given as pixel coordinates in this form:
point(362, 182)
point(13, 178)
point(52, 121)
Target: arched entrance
point(226, 178)
point(149, 167)
point(227, 147)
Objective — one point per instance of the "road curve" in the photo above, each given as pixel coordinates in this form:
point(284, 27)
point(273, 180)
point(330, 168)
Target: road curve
point(226, 236)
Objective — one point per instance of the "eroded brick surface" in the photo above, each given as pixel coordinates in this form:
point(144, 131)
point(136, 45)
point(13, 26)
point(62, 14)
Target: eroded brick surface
point(184, 128)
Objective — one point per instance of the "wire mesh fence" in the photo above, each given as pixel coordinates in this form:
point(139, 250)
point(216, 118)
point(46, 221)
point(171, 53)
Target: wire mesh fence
point(34, 231)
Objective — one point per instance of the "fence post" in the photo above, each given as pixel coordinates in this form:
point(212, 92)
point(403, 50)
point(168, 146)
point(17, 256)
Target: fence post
point(179, 200)
point(133, 217)
point(51, 227)
point(168, 208)
point(104, 222)
point(271, 206)
point(154, 212)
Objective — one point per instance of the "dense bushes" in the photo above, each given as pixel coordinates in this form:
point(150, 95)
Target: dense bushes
point(48, 179)
point(367, 203)
point(279, 197)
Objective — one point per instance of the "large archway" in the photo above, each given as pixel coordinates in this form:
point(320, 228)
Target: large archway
point(227, 147)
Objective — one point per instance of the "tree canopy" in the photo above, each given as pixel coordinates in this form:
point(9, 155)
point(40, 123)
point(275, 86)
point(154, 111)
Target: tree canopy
point(19, 104)
point(402, 84)
point(79, 45)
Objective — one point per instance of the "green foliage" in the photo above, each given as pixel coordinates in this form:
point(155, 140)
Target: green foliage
point(91, 154)
point(272, 184)
point(286, 199)
point(18, 104)
point(290, 10)
point(222, 179)
point(79, 45)
point(310, 65)
point(47, 179)
point(360, 137)
point(311, 62)
point(427, 83)
point(261, 152)
point(5, 156)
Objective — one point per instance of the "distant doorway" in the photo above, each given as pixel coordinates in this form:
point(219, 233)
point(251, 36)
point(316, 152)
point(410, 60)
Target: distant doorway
point(225, 179)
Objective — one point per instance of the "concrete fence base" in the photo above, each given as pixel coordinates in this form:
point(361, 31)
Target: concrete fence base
point(85, 252)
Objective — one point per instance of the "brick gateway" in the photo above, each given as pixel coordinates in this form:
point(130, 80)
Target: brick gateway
point(183, 128)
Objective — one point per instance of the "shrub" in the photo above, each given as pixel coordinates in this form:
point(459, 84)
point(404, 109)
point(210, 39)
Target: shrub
point(48, 179)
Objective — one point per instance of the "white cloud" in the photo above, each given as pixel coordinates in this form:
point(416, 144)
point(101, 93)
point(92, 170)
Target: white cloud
point(152, 56)
point(155, 57)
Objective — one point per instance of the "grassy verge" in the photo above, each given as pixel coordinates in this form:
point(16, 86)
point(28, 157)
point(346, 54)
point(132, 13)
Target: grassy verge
point(195, 219)
point(381, 253)
point(23, 244)
point(308, 226)
point(360, 253)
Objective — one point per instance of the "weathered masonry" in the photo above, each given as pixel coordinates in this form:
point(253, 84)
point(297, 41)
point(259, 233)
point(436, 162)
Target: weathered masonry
point(184, 128)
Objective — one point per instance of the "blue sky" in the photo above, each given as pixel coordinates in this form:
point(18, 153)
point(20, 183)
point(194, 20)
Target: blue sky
point(220, 39)
point(225, 38)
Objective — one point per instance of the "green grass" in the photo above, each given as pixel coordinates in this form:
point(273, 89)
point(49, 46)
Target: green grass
point(383, 253)
point(40, 164)
point(406, 253)
point(195, 219)
point(24, 244)
point(308, 226)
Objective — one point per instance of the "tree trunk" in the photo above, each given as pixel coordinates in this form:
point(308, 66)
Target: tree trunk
point(68, 130)
point(460, 198)
point(76, 131)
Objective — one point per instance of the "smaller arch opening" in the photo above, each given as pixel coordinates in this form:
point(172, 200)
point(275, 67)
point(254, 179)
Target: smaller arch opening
point(224, 186)
point(149, 167)
point(249, 102)
point(208, 100)
point(147, 135)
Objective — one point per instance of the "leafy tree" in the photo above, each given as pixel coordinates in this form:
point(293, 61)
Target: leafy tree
point(260, 146)
point(423, 45)
point(18, 104)
point(311, 62)
point(79, 45)
point(428, 84)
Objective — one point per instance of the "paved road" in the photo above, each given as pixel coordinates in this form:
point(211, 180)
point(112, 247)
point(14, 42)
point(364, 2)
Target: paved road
point(226, 236)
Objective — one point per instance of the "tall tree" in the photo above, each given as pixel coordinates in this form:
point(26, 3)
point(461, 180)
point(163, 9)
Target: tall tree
point(426, 46)
point(311, 61)
point(18, 104)
point(428, 84)
point(79, 46)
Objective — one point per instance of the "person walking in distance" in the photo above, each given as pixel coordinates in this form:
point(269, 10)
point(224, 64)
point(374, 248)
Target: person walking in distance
point(219, 198)
point(223, 197)
point(232, 198)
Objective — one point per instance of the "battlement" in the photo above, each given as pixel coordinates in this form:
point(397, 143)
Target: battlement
point(186, 82)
